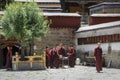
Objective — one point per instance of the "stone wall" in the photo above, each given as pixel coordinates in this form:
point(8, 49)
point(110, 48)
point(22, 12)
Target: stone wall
point(55, 36)
point(114, 57)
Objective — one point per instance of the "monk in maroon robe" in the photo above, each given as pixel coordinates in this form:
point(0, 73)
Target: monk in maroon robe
point(72, 56)
point(9, 57)
point(62, 54)
point(46, 51)
point(51, 53)
point(98, 58)
point(56, 62)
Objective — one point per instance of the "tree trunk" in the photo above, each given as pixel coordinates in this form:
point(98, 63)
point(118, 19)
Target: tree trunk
point(31, 49)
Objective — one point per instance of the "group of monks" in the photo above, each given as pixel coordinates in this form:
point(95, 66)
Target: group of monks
point(55, 57)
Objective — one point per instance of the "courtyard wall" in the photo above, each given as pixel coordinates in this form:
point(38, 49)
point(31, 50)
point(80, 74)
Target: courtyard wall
point(56, 36)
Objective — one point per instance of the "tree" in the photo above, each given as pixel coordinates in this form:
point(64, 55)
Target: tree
point(25, 22)
point(33, 23)
point(3, 3)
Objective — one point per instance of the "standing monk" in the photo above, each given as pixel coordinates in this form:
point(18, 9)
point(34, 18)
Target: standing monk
point(9, 57)
point(56, 62)
point(98, 58)
point(72, 56)
point(46, 51)
point(62, 54)
point(51, 53)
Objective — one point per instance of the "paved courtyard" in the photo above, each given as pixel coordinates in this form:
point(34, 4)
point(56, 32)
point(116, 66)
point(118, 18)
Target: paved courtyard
point(77, 73)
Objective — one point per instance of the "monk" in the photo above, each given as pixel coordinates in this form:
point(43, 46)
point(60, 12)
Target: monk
point(72, 56)
point(51, 54)
point(62, 54)
point(46, 51)
point(56, 62)
point(9, 57)
point(98, 57)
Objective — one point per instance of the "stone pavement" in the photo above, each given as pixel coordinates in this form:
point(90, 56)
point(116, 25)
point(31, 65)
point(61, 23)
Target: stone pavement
point(77, 73)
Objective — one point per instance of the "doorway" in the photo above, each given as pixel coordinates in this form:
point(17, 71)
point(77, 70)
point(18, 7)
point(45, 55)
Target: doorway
point(3, 54)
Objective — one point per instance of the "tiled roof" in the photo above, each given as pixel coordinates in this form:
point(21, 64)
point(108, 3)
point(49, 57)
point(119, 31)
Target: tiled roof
point(106, 15)
point(56, 1)
point(99, 26)
point(62, 14)
point(118, 3)
point(47, 5)
point(56, 14)
point(52, 10)
point(51, 7)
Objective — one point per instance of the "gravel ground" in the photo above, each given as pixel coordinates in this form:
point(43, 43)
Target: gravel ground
point(77, 73)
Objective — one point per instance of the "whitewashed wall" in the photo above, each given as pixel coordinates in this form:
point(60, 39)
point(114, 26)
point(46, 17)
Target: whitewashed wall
point(114, 56)
point(106, 31)
point(90, 47)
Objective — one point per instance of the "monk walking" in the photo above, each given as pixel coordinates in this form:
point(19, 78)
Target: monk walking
point(98, 58)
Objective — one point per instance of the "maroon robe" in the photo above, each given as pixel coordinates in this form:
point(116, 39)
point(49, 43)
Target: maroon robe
point(51, 53)
point(98, 58)
point(62, 52)
point(72, 57)
point(56, 61)
point(47, 57)
point(9, 58)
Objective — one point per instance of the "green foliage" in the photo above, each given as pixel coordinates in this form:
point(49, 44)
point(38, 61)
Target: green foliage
point(36, 26)
point(3, 3)
point(13, 21)
point(24, 21)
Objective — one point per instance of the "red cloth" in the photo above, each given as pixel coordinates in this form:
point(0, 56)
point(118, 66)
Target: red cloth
point(51, 56)
point(98, 58)
point(56, 62)
point(8, 59)
point(72, 57)
point(47, 57)
point(61, 51)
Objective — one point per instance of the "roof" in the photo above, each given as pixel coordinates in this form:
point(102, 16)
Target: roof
point(50, 5)
point(52, 10)
point(56, 14)
point(105, 15)
point(114, 3)
point(47, 1)
point(62, 14)
point(99, 26)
